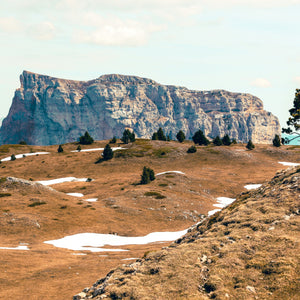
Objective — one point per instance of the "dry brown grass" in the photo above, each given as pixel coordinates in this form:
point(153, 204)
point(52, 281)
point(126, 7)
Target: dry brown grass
point(122, 206)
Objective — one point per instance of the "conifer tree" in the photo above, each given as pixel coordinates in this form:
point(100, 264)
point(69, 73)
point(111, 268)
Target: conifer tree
point(60, 149)
point(276, 141)
point(13, 157)
point(147, 175)
point(294, 119)
point(107, 153)
point(86, 139)
point(155, 136)
point(180, 136)
point(217, 141)
point(78, 148)
point(160, 134)
point(250, 145)
point(128, 136)
point(113, 140)
point(226, 140)
point(200, 138)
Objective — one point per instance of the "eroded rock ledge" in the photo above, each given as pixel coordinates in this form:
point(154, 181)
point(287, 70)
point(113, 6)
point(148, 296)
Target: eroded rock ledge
point(47, 110)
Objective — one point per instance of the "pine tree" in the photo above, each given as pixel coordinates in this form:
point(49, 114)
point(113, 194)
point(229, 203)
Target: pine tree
point(160, 134)
point(86, 139)
point(128, 136)
point(60, 149)
point(226, 140)
point(107, 153)
point(200, 138)
point(217, 141)
point(276, 141)
point(250, 145)
point(78, 148)
point(155, 136)
point(147, 175)
point(13, 157)
point(180, 136)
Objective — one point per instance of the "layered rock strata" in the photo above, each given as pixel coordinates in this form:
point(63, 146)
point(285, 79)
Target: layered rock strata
point(47, 110)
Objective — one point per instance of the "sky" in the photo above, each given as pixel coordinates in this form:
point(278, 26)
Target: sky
point(250, 46)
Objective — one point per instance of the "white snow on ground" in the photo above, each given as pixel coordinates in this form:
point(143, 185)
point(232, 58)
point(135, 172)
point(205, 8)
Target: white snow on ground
point(222, 202)
point(288, 163)
point(61, 180)
point(252, 186)
point(93, 241)
point(91, 200)
point(98, 149)
point(75, 194)
point(130, 258)
point(178, 172)
point(16, 248)
point(22, 155)
point(211, 212)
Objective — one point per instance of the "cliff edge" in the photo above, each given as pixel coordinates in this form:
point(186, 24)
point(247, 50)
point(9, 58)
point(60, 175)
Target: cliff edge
point(47, 110)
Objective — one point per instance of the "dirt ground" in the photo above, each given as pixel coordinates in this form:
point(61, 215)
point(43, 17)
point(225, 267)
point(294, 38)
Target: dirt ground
point(171, 202)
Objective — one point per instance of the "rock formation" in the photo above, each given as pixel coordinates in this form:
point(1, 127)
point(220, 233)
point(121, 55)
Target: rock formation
point(47, 110)
point(249, 250)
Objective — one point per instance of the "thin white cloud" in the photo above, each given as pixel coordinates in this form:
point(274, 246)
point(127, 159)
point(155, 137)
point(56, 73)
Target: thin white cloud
point(42, 31)
point(261, 82)
point(115, 32)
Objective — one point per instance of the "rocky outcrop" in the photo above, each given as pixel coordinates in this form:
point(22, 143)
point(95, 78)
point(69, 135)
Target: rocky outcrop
point(249, 250)
point(47, 110)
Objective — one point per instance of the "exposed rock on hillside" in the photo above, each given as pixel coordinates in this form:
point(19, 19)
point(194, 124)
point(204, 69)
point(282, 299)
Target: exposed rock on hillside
point(249, 250)
point(47, 110)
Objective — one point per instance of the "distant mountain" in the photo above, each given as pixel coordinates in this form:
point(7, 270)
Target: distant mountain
point(47, 110)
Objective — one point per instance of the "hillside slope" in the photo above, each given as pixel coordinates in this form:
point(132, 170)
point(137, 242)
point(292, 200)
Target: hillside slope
point(47, 111)
point(249, 250)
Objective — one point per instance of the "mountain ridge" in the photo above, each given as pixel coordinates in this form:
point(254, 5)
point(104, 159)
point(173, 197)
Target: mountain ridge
point(48, 110)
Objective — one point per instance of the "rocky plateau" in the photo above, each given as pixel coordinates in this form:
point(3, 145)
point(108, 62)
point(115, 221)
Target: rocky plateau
point(48, 111)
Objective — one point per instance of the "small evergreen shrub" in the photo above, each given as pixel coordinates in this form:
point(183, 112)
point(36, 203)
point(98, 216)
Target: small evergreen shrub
point(22, 143)
point(113, 140)
point(180, 136)
point(86, 139)
point(147, 175)
point(234, 142)
point(226, 140)
point(200, 138)
point(78, 148)
point(217, 141)
point(60, 149)
point(276, 141)
point(250, 145)
point(107, 153)
point(192, 149)
point(13, 157)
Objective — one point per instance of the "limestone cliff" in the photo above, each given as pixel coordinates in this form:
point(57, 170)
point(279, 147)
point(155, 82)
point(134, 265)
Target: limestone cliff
point(47, 110)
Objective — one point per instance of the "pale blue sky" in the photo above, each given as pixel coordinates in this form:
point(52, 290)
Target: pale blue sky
point(238, 45)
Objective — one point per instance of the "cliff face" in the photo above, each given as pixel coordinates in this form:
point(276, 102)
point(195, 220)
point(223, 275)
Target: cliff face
point(47, 110)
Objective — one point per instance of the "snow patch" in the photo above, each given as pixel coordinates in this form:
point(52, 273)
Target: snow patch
point(177, 172)
point(61, 180)
point(97, 149)
point(24, 154)
point(15, 248)
point(94, 241)
point(221, 203)
point(91, 200)
point(252, 186)
point(75, 194)
point(288, 163)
